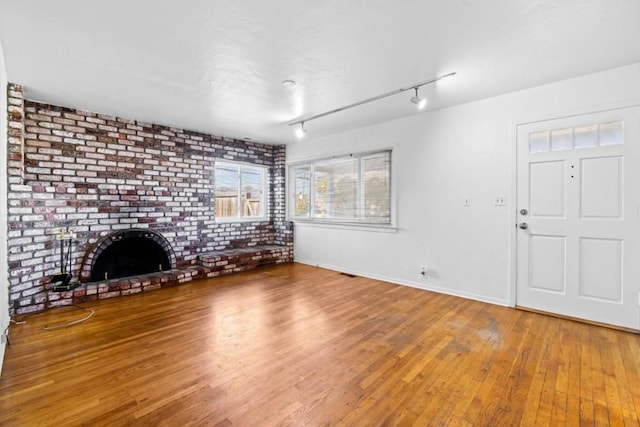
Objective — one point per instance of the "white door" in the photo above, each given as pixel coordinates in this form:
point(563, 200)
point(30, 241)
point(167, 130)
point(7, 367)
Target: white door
point(578, 202)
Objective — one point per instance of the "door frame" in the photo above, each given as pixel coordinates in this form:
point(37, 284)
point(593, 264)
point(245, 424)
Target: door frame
point(513, 155)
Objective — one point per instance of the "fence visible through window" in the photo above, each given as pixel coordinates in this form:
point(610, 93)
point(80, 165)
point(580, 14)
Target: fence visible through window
point(239, 191)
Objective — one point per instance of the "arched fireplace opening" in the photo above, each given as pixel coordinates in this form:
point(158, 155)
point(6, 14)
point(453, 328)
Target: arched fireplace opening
point(128, 253)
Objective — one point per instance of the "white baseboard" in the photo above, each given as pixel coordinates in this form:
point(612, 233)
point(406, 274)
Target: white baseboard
point(412, 284)
point(3, 343)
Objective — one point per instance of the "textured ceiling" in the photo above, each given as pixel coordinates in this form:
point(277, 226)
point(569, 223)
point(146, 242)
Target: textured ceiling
point(216, 65)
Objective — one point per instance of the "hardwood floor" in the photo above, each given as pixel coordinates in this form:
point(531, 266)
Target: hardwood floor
point(304, 346)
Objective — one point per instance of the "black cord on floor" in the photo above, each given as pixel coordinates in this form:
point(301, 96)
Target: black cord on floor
point(6, 330)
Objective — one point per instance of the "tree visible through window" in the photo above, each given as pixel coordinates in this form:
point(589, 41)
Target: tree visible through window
point(353, 188)
point(239, 191)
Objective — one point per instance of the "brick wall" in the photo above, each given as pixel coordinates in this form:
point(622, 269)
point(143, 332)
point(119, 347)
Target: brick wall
point(99, 174)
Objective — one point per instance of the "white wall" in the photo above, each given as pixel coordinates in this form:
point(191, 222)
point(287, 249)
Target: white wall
point(4, 280)
point(439, 158)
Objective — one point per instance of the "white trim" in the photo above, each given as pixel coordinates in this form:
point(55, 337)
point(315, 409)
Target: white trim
point(357, 226)
point(411, 284)
point(243, 219)
point(513, 217)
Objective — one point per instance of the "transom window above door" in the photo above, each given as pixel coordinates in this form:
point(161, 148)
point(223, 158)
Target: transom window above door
point(587, 136)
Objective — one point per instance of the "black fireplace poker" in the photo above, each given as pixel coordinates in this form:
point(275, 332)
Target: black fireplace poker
point(64, 280)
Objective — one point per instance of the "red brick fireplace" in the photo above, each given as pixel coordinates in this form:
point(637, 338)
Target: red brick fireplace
point(100, 175)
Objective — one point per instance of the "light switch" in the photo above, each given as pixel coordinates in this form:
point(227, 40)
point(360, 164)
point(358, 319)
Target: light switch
point(500, 200)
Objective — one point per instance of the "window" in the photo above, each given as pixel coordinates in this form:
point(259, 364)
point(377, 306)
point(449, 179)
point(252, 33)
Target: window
point(352, 189)
point(239, 191)
point(587, 136)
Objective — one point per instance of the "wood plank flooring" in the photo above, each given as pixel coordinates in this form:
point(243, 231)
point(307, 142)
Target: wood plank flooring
point(303, 346)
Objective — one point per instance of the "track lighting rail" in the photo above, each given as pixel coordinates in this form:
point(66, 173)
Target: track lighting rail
point(373, 98)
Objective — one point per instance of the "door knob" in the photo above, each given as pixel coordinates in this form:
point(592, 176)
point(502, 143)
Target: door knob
point(523, 225)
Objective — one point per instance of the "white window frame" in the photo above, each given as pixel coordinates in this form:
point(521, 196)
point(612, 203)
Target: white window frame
point(264, 174)
point(332, 222)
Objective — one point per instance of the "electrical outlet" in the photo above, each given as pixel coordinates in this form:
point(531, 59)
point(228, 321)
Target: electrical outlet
point(424, 272)
point(499, 200)
point(467, 201)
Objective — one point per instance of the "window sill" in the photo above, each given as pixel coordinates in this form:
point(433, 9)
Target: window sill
point(242, 220)
point(378, 228)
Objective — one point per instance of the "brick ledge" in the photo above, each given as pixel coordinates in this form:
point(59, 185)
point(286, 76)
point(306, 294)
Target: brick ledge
point(212, 264)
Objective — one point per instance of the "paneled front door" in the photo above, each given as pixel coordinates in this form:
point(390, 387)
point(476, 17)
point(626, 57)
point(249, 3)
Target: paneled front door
point(578, 201)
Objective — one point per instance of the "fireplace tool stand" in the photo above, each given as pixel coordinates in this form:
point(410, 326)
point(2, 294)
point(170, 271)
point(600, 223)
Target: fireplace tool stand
point(64, 281)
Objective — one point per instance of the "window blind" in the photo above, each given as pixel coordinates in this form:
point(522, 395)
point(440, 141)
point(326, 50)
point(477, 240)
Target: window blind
point(353, 188)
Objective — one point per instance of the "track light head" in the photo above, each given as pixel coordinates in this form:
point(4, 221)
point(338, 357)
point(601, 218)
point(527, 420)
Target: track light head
point(420, 102)
point(301, 132)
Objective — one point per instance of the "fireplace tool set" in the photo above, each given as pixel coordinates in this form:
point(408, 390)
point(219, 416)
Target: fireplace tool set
point(64, 280)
